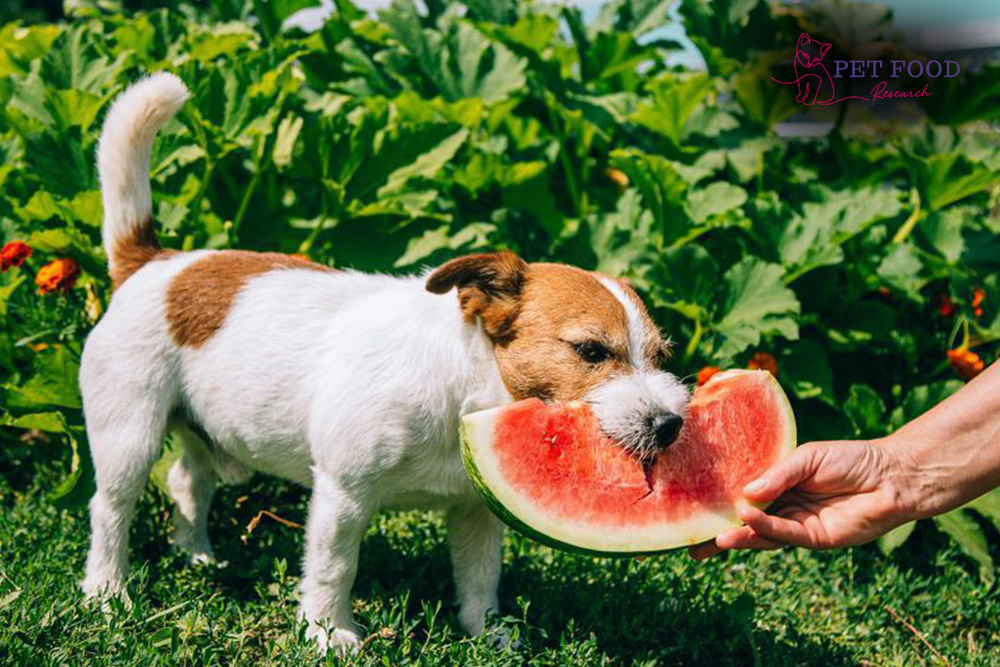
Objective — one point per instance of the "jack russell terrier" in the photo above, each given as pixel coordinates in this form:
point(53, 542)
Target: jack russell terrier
point(348, 383)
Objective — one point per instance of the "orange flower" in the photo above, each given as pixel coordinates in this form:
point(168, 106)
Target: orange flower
point(967, 364)
point(977, 300)
point(618, 177)
point(13, 255)
point(706, 373)
point(59, 275)
point(299, 255)
point(762, 361)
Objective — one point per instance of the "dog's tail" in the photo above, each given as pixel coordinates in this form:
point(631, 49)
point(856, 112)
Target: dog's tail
point(123, 163)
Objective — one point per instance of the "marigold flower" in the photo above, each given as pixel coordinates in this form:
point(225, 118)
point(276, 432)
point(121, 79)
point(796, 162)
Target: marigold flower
point(13, 255)
point(763, 361)
point(618, 177)
point(59, 275)
point(706, 373)
point(977, 300)
point(967, 364)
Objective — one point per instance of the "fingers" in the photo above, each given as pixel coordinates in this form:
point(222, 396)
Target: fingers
point(704, 550)
point(743, 537)
point(783, 475)
point(777, 529)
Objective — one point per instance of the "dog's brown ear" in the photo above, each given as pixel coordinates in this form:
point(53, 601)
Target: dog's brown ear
point(489, 287)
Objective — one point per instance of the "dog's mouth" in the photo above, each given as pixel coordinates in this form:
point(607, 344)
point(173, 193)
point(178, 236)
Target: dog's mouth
point(648, 465)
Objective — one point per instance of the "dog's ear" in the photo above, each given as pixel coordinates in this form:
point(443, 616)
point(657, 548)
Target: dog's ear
point(489, 287)
point(823, 49)
point(804, 39)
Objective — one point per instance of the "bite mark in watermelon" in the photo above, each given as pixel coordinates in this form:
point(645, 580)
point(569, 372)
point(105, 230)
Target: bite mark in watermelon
point(550, 471)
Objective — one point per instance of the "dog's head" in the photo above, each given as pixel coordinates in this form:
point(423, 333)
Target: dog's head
point(561, 333)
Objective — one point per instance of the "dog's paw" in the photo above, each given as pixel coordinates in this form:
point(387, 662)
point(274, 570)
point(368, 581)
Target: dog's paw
point(502, 638)
point(340, 641)
point(105, 593)
point(198, 552)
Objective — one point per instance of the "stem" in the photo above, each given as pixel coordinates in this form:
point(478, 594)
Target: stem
point(695, 339)
point(234, 231)
point(574, 191)
point(903, 232)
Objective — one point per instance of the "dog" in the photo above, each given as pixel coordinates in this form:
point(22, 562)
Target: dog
point(348, 383)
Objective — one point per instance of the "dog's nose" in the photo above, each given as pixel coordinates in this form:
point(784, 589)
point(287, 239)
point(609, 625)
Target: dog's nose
point(665, 427)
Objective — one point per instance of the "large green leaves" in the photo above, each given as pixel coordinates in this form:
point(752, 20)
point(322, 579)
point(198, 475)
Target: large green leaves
point(456, 62)
point(757, 302)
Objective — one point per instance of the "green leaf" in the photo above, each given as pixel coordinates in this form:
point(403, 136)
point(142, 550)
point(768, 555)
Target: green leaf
point(988, 505)
point(284, 144)
point(426, 165)
point(714, 201)
point(970, 538)
point(945, 178)
point(6, 291)
point(756, 303)
point(662, 187)
point(943, 231)
point(53, 383)
point(85, 208)
point(901, 269)
point(621, 240)
point(806, 370)
point(921, 399)
point(895, 537)
point(50, 422)
point(676, 98)
point(866, 411)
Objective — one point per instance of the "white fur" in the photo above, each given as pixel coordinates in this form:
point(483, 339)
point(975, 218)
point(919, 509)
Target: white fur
point(638, 333)
point(625, 404)
point(123, 152)
point(351, 384)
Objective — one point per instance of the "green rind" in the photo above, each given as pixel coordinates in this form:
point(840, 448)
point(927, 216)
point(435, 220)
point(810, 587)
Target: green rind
point(514, 522)
point(508, 517)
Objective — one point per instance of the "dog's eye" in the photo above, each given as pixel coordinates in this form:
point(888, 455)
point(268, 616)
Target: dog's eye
point(592, 352)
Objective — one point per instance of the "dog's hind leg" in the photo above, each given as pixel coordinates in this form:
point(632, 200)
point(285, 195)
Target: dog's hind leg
point(125, 440)
point(191, 481)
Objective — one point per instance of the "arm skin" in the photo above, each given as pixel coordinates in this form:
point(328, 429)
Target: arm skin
point(838, 494)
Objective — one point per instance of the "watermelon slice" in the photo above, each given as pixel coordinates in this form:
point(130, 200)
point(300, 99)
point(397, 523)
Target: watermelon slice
point(549, 471)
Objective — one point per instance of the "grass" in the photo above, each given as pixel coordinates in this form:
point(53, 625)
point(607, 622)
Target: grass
point(776, 608)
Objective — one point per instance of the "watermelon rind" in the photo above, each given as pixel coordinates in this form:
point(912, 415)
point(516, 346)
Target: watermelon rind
point(477, 433)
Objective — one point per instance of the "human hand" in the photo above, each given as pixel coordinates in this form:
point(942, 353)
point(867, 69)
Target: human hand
point(825, 495)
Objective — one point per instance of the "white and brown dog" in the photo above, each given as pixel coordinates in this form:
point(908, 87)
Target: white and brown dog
point(347, 383)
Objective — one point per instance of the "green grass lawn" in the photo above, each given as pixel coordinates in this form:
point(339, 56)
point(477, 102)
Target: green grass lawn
point(778, 608)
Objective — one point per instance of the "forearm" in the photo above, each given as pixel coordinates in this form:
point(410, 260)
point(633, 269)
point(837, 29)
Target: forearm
point(951, 454)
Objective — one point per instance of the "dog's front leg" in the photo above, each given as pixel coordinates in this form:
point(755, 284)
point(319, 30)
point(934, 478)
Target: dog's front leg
point(476, 540)
point(337, 522)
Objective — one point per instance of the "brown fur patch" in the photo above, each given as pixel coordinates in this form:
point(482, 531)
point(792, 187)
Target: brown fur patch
point(131, 253)
point(561, 306)
point(489, 287)
point(200, 296)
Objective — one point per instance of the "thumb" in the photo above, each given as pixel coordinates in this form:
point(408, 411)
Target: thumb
point(783, 475)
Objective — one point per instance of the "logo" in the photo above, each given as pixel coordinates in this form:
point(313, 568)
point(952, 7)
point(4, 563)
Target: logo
point(816, 85)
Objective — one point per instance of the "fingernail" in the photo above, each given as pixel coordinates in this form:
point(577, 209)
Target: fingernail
point(755, 486)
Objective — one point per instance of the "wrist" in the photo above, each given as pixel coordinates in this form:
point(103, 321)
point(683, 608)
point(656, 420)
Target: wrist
point(913, 493)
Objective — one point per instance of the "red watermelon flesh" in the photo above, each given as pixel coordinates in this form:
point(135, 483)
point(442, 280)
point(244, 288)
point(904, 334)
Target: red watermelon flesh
point(549, 467)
